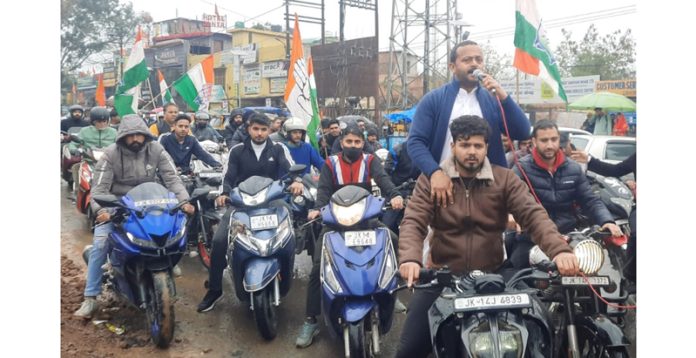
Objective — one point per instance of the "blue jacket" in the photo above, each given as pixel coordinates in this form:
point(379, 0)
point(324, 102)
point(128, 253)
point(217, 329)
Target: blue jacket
point(307, 155)
point(559, 192)
point(181, 153)
point(429, 128)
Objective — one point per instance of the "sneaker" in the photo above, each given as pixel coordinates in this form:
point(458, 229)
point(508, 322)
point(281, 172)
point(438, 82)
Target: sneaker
point(399, 307)
point(177, 271)
point(209, 301)
point(307, 334)
point(88, 308)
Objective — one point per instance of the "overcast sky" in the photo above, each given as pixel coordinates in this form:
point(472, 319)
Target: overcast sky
point(486, 16)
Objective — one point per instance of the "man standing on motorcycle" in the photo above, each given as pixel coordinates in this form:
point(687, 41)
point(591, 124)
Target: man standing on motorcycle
point(349, 167)
point(181, 146)
point(166, 123)
point(559, 184)
point(467, 234)
point(257, 155)
point(98, 135)
point(301, 151)
point(203, 131)
point(134, 159)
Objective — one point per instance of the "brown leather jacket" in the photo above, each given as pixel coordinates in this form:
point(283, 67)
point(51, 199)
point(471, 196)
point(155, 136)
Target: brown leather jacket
point(468, 235)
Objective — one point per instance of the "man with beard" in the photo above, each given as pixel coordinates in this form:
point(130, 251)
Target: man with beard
point(134, 159)
point(235, 122)
point(467, 235)
point(75, 118)
point(429, 139)
point(351, 166)
point(257, 155)
point(559, 183)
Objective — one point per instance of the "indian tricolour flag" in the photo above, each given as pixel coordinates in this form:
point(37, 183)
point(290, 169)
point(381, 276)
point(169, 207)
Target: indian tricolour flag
point(532, 54)
point(194, 86)
point(297, 89)
point(135, 72)
point(164, 90)
point(314, 123)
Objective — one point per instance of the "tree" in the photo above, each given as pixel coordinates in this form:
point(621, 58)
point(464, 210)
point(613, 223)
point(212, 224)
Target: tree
point(499, 66)
point(611, 56)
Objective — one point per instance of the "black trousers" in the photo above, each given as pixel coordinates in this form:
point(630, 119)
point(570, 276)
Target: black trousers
point(630, 269)
point(415, 335)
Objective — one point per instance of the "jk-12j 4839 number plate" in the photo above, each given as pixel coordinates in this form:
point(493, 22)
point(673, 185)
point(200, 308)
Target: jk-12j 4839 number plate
point(477, 303)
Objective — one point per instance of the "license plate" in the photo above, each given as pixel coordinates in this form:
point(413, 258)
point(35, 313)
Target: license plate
point(360, 238)
point(209, 174)
point(478, 303)
point(263, 222)
point(579, 281)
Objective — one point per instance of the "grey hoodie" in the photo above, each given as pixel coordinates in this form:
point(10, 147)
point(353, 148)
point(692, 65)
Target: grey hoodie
point(119, 169)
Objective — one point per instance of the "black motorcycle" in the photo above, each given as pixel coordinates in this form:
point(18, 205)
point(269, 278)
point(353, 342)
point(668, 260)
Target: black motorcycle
point(585, 326)
point(481, 315)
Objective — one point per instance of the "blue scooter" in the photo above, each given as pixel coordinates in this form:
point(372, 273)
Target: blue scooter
point(358, 267)
point(149, 238)
point(261, 253)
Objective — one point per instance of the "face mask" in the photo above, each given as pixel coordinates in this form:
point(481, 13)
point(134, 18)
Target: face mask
point(352, 153)
point(201, 125)
point(135, 146)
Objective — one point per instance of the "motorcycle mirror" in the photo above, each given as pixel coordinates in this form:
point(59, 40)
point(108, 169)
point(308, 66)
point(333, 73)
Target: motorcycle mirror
point(107, 200)
point(199, 193)
point(297, 169)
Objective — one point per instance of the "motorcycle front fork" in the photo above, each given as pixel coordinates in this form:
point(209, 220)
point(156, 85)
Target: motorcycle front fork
point(276, 293)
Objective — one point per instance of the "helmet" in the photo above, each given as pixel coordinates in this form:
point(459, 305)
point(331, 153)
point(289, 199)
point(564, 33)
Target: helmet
point(76, 107)
point(202, 116)
point(293, 124)
point(99, 113)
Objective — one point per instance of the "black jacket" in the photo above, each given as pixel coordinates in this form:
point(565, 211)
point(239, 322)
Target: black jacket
point(70, 122)
point(228, 134)
point(275, 161)
point(627, 166)
point(560, 191)
point(328, 184)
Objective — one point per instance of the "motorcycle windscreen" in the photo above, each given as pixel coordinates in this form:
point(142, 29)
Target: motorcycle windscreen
point(154, 201)
point(358, 266)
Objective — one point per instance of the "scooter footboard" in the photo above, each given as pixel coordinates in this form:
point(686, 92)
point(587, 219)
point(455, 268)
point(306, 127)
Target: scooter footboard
point(259, 272)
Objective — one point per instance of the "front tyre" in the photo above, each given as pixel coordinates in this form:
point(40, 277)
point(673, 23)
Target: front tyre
point(360, 341)
point(160, 309)
point(265, 313)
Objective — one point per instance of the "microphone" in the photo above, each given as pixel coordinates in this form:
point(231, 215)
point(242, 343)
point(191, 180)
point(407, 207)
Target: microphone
point(480, 76)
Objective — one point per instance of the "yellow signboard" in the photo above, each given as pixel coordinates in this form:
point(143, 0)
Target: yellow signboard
point(623, 87)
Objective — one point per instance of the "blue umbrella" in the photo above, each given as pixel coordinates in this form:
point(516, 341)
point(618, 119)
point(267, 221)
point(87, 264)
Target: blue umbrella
point(406, 116)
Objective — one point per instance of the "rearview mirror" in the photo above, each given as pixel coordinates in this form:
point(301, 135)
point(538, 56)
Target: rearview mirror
point(297, 169)
point(107, 200)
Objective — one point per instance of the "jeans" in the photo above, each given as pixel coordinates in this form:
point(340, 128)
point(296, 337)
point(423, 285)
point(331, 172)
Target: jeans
point(97, 258)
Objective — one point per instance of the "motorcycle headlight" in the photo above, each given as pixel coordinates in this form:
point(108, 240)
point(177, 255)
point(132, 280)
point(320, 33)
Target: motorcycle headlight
point(265, 247)
point(141, 242)
point(349, 215)
point(256, 199)
point(327, 274)
point(282, 234)
point(388, 267)
point(299, 200)
point(590, 256)
point(483, 345)
point(97, 154)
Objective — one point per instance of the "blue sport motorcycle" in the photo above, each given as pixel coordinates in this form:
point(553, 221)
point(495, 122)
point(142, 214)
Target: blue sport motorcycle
point(261, 252)
point(358, 267)
point(149, 238)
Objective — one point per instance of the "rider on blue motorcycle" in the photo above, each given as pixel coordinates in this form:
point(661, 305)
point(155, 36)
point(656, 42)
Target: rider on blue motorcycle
point(467, 234)
point(257, 155)
point(349, 167)
point(134, 159)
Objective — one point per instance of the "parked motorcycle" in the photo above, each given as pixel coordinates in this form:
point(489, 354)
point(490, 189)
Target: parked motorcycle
point(306, 232)
point(358, 267)
point(582, 323)
point(481, 315)
point(262, 247)
point(147, 241)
